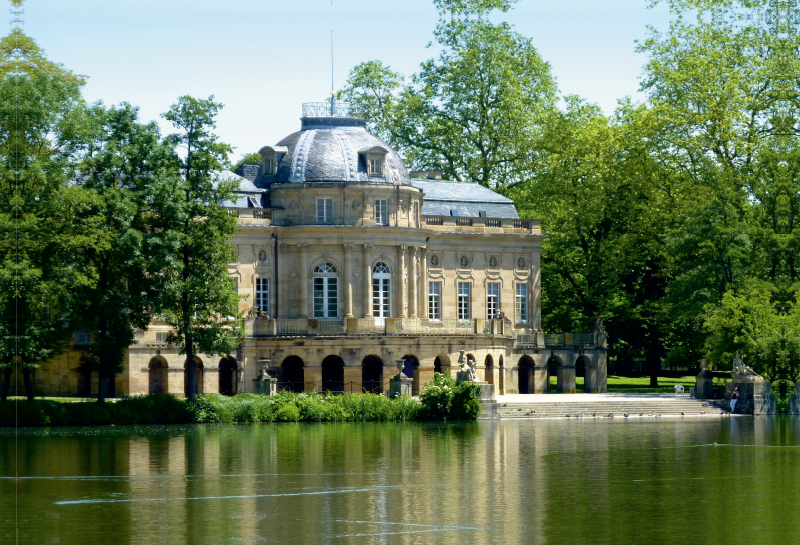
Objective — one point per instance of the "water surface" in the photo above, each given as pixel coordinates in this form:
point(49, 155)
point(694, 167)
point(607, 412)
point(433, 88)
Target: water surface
point(536, 481)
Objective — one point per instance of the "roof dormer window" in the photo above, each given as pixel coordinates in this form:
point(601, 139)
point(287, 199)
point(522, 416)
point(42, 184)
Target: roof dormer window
point(268, 166)
point(375, 158)
point(376, 165)
point(270, 156)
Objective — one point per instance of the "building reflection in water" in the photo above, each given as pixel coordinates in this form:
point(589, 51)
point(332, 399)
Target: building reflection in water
point(545, 481)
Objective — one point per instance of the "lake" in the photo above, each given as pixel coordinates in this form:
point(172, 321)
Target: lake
point(525, 481)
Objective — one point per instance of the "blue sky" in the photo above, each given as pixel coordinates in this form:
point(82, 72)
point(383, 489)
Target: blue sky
point(263, 58)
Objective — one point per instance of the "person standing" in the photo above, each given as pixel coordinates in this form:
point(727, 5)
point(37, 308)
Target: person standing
point(734, 398)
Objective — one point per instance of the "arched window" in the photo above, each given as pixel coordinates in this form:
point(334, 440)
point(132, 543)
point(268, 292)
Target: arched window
point(381, 290)
point(326, 291)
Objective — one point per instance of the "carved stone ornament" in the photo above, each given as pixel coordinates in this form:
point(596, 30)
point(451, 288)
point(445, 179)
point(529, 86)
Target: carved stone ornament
point(356, 205)
point(521, 262)
point(493, 262)
point(434, 260)
point(262, 255)
point(294, 275)
point(293, 204)
point(464, 261)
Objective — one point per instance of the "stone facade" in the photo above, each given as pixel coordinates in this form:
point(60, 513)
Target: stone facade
point(345, 273)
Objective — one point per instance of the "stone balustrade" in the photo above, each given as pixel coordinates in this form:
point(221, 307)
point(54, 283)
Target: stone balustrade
point(559, 340)
point(306, 327)
point(482, 225)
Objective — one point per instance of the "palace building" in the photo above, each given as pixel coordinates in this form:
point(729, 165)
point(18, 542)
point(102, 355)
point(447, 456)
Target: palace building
point(352, 263)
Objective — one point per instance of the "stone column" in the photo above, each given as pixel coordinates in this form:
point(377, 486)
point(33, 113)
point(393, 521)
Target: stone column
point(412, 283)
point(348, 281)
point(423, 283)
point(401, 279)
point(367, 304)
point(535, 300)
point(303, 280)
point(283, 282)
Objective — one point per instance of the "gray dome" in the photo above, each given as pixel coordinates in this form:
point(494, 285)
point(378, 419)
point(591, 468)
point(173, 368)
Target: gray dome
point(327, 151)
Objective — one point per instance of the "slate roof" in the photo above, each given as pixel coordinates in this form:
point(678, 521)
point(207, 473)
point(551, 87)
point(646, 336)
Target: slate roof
point(331, 155)
point(248, 196)
point(466, 198)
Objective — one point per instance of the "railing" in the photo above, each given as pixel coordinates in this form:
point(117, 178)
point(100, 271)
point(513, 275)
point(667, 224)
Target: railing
point(554, 339)
point(560, 340)
point(330, 327)
point(245, 214)
point(326, 109)
point(481, 224)
point(336, 387)
point(422, 326)
point(366, 326)
point(302, 327)
point(291, 327)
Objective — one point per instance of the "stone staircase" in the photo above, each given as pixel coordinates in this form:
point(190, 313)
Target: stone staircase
point(633, 408)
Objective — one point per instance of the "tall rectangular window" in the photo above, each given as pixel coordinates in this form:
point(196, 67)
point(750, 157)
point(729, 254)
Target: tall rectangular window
point(326, 297)
point(382, 212)
point(464, 312)
point(492, 301)
point(434, 300)
point(324, 211)
point(262, 294)
point(521, 306)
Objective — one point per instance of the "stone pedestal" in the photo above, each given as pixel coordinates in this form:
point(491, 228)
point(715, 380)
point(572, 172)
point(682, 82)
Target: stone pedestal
point(794, 401)
point(488, 391)
point(704, 385)
point(755, 397)
point(400, 386)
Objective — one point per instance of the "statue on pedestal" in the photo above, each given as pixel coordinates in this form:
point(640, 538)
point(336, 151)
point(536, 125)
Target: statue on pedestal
point(741, 372)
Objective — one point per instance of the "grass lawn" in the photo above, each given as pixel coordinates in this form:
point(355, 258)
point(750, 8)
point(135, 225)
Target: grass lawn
point(637, 385)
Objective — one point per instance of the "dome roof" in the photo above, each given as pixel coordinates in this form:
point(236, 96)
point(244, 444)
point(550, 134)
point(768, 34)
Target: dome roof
point(335, 149)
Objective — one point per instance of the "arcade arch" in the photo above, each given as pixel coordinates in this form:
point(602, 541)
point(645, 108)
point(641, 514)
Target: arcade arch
point(333, 374)
point(227, 376)
point(524, 373)
point(372, 374)
point(158, 376)
point(292, 377)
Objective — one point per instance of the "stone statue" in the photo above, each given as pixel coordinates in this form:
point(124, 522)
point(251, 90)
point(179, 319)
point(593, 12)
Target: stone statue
point(598, 325)
point(255, 312)
point(473, 372)
point(742, 372)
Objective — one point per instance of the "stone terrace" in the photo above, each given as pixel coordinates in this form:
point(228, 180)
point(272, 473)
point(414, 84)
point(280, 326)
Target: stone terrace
point(604, 405)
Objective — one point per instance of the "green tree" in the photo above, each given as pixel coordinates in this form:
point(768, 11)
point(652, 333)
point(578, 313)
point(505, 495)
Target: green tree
point(250, 158)
point(38, 99)
point(188, 239)
point(475, 112)
point(98, 233)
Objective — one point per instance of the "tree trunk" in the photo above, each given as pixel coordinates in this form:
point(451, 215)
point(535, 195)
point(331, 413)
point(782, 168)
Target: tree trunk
point(102, 378)
point(6, 383)
point(653, 363)
point(26, 375)
point(191, 380)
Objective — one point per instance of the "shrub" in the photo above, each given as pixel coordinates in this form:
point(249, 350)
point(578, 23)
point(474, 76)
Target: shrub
point(287, 413)
point(443, 399)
